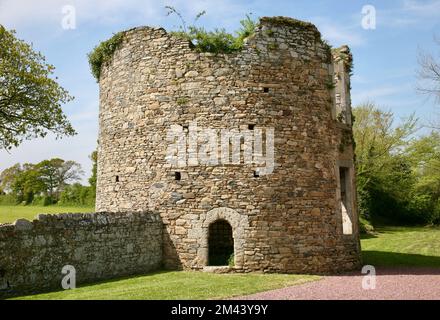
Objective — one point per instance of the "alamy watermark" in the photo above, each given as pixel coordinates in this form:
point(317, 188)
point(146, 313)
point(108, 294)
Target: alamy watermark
point(194, 146)
point(368, 21)
point(369, 280)
point(69, 280)
point(68, 21)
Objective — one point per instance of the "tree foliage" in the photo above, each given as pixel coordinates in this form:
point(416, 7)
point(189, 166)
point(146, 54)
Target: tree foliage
point(30, 100)
point(56, 174)
point(45, 180)
point(398, 175)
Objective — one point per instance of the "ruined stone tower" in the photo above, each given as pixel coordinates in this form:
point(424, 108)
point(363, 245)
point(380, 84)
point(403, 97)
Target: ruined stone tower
point(299, 217)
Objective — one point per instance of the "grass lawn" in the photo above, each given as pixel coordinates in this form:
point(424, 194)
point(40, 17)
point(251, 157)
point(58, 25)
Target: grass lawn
point(12, 213)
point(402, 246)
point(179, 285)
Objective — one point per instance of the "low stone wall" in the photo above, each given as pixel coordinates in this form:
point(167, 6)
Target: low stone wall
point(98, 245)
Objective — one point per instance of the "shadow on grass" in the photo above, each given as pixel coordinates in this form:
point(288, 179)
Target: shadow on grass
point(364, 236)
point(402, 262)
point(12, 294)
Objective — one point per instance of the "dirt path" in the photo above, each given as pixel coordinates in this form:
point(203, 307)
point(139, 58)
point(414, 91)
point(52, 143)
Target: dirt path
point(395, 283)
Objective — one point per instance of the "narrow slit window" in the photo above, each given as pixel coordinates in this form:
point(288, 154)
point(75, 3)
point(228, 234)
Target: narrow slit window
point(117, 179)
point(345, 194)
point(177, 176)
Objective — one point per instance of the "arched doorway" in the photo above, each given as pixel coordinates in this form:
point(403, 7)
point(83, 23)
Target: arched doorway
point(220, 243)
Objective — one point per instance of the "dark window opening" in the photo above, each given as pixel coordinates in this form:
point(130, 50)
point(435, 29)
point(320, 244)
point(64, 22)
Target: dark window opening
point(117, 179)
point(177, 175)
point(185, 127)
point(342, 179)
point(221, 244)
point(265, 90)
point(251, 126)
point(256, 174)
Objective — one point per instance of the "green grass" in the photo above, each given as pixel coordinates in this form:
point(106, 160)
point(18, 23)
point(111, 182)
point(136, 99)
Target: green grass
point(402, 246)
point(12, 213)
point(178, 285)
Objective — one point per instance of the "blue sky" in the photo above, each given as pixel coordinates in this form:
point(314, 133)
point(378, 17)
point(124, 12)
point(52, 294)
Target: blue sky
point(385, 59)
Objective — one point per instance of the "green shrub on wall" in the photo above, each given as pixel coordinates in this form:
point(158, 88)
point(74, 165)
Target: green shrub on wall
point(217, 41)
point(103, 53)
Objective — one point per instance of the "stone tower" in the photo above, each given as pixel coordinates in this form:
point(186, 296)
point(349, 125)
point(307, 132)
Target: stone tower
point(287, 95)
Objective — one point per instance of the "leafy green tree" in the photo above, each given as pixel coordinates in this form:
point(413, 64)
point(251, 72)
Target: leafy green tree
point(384, 175)
point(77, 194)
point(378, 140)
point(55, 175)
point(398, 173)
point(22, 182)
point(30, 100)
point(27, 184)
point(425, 156)
point(8, 176)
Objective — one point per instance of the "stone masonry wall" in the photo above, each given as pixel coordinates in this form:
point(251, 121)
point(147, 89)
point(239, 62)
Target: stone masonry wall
point(99, 246)
point(284, 78)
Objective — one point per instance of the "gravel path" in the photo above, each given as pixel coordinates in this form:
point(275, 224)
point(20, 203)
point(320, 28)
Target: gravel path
point(391, 283)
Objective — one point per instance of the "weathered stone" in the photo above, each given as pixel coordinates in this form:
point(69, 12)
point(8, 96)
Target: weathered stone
point(288, 79)
point(32, 259)
point(23, 224)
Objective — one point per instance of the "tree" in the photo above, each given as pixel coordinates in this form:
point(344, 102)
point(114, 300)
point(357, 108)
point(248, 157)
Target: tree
point(429, 72)
point(22, 182)
point(377, 140)
point(8, 176)
point(429, 77)
point(425, 156)
point(27, 184)
point(384, 172)
point(56, 173)
point(30, 101)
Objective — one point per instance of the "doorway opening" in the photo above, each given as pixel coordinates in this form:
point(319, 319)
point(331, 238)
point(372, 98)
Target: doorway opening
point(220, 244)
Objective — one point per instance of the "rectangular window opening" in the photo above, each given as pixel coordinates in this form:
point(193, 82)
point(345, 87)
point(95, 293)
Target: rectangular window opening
point(345, 194)
point(177, 176)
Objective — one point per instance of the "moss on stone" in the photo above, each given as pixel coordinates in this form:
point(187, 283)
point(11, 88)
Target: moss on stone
point(103, 53)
